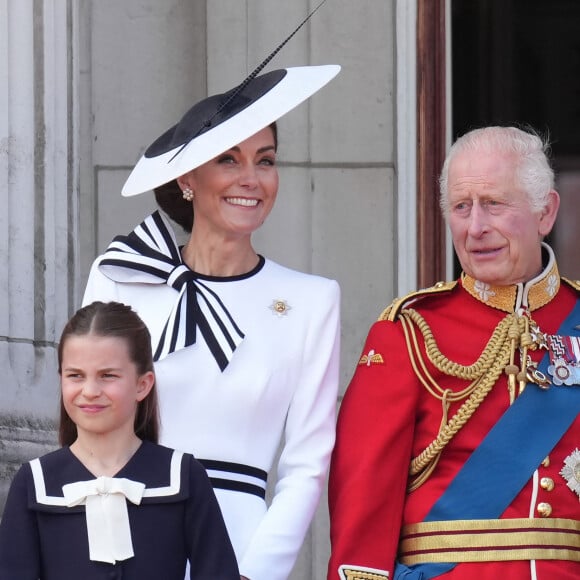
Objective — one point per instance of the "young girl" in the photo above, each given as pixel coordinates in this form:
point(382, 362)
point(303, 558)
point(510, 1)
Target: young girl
point(111, 503)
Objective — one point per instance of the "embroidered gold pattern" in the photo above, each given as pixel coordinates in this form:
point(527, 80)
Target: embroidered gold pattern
point(485, 540)
point(371, 358)
point(504, 297)
point(358, 573)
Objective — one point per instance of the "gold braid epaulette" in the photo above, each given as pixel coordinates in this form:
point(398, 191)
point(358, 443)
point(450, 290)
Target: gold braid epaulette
point(575, 284)
point(391, 312)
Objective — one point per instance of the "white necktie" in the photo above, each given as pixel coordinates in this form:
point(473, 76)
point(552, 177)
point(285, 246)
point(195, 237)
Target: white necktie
point(107, 516)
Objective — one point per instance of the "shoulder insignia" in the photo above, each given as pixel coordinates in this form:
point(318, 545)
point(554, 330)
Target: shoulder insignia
point(391, 312)
point(361, 573)
point(372, 358)
point(572, 283)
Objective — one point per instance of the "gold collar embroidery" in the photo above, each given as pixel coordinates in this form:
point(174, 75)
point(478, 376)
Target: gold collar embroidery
point(533, 294)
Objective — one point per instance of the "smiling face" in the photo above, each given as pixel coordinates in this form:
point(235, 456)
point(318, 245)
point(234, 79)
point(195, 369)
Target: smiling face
point(235, 192)
point(496, 234)
point(100, 385)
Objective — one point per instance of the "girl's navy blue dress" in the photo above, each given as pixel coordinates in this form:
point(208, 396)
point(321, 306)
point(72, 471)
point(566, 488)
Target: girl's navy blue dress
point(177, 520)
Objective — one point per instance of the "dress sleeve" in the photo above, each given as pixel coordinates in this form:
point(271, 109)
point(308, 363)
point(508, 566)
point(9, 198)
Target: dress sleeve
point(19, 537)
point(309, 438)
point(99, 287)
point(370, 462)
point(210, 551)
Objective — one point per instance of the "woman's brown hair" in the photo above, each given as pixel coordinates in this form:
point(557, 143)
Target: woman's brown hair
point(113, 319)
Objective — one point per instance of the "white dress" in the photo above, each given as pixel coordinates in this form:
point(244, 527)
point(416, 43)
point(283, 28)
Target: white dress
point(279, 388)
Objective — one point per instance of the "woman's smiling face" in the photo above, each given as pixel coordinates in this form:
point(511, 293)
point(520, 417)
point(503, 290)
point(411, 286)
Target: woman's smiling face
point(235, 192)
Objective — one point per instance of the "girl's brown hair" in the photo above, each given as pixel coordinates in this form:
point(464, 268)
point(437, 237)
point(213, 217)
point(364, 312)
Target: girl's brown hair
point(113, 319)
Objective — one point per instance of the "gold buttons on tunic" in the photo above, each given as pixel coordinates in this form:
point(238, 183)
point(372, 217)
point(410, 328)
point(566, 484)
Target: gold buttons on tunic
point(547, 483)
point(546, 462)
point(544, 509)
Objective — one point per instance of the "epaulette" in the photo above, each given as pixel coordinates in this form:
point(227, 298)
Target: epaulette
point(572, 283)
point(392, 310)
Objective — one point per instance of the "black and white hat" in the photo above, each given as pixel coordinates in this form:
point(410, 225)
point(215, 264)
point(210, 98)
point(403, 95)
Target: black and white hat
point(219, 122)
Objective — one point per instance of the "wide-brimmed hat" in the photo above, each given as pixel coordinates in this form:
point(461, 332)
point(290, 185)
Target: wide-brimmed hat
point(219, 122)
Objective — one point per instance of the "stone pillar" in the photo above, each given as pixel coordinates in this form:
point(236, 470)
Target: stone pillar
point(37, 224)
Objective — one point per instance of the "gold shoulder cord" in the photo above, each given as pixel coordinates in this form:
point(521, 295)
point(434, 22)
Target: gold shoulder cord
point(497, 356)
point(391, 312)
point(573, 283)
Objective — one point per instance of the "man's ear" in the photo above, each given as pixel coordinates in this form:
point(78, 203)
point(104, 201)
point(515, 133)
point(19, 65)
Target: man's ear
point(549, 213)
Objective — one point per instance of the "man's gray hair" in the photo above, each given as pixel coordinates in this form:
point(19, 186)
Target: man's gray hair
point(534, 175)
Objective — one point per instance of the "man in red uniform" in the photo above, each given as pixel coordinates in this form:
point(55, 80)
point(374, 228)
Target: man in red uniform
point(457, 447)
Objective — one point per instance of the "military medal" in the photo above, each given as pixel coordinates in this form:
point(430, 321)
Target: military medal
point(564, 359)
point(571, 471)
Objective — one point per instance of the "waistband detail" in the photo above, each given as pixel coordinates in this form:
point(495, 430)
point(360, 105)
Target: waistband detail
point(236, 477)
point(490, 540)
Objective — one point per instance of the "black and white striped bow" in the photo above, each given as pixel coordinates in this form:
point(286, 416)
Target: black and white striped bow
point(150, 255)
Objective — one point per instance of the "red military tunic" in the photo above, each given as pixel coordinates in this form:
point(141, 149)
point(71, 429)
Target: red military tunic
point(388, 417)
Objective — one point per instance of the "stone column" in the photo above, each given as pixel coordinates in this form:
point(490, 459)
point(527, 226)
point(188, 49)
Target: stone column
point(38, 193)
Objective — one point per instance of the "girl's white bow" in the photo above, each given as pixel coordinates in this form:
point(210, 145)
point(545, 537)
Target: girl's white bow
point(107, 516)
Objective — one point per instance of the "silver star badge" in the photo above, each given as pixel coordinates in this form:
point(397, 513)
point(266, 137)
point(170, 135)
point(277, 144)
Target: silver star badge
point(571, 471)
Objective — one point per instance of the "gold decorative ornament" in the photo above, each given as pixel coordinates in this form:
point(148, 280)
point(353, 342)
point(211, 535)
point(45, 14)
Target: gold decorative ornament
point(280, 307)
point(391, 312)
point(361, 573)
point(498, 540)
point(516, 331)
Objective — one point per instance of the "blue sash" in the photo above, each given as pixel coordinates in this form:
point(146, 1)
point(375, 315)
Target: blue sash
point(473, 493)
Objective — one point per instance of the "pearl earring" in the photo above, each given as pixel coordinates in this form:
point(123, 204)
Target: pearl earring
point(187, 194)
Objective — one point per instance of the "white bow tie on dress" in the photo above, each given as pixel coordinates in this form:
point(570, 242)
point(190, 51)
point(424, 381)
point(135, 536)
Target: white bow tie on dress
point(107, 516)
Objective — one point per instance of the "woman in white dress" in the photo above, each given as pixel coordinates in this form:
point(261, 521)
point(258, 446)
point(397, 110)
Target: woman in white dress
point(247, 351)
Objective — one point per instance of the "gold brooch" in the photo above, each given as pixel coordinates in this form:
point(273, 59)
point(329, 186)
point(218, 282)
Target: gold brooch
point(280, 307)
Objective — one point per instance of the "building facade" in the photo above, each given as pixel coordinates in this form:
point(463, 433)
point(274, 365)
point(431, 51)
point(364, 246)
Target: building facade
point(86, 85)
